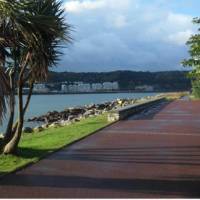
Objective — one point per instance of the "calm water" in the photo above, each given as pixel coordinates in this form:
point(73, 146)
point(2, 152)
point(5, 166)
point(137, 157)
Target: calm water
point(41, 104)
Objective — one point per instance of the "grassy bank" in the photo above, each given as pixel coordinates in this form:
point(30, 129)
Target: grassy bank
point(34, 146)
point(175, 95)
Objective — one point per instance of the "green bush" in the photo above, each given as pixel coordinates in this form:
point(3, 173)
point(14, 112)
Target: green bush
point(196, 88)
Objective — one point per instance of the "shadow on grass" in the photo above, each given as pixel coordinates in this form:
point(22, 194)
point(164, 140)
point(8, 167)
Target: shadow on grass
point(33, 153)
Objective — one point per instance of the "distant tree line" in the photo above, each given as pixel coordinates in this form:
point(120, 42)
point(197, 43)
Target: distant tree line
point(128, 80)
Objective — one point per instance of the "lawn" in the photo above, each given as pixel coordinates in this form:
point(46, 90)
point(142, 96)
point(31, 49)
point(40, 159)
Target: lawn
point(34, 146)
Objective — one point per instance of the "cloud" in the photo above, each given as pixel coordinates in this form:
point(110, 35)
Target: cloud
point(126, 34)
point(179, 19)
point(120, 21)
point(77, 6)
point(180, 38)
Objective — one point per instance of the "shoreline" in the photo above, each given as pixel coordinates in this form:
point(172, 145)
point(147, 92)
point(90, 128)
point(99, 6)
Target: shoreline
point(103, 92)
point(74, 114)
point(54, 118)
point(59, 102)
point(34, 124)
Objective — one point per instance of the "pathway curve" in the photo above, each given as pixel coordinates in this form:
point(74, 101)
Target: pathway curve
point(153, 155)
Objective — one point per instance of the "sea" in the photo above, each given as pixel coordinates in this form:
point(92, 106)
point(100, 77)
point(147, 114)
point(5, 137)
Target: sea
point(41, 104)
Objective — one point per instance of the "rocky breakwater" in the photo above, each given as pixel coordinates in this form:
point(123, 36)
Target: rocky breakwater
point(75, 114)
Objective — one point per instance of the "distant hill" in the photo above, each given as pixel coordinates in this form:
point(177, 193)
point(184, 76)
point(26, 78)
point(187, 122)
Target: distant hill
point(128, 80)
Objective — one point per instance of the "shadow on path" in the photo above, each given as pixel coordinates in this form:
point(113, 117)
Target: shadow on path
point(175, 155)
point(148, 114)
point(188, 188)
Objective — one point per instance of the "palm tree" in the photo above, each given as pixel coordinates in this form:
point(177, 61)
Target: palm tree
point(38, 30)
point(4, 92)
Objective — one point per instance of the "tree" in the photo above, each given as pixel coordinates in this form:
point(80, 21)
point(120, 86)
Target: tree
point(194, 60)
point(4, 92)
point(31, 35)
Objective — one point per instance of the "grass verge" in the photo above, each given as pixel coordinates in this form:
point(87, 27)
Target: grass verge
point(34, 146)
point(175, 95)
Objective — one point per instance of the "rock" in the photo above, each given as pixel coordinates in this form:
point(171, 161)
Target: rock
point(133, 101)
point(98, 112)
point(32, 119)
point(89, 112)
point(52, 125)
point(76, 120)
point(80, 116)
point(45, 126)
point(91, 106)
point(71, 117)
point(1, 136)
point(105, 110)
point(66, 123)
point(27, 130)
point(64, 115)
point(38, 129)
point(85, 116)
point(55, 125)
point(100, 106)
point(76, 111)
point(112, 117)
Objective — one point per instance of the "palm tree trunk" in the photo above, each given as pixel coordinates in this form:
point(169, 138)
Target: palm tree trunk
point(9, 134)
point(11, 146)
point(28, 97)
point(14, 128)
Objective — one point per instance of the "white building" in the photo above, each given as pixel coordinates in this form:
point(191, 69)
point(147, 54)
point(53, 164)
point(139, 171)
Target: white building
point(110, 86)
point(84, 87)
point(64, 88)
point(97, 86)
point(87, 87)
point(40, 87)
point(73, 88)
point(145, 88)
point(115, 86)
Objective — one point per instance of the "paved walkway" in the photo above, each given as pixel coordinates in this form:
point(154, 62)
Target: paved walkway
point(153, 156)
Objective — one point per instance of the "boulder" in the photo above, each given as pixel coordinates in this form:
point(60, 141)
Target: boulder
point(89, 112)
point(67, 122)
point(98, 112)
point(45, 126)
point(76, 120)
point(76, 111)
point(32, 119)
point(100, 106)
point(55, 125)
point(38, 129)
point(27, 130)
point(91, 106)
point(64, 115)
point(80, 116)
point(71, 117)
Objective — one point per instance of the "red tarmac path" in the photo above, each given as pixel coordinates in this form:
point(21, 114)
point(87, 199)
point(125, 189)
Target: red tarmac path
point(153, 156)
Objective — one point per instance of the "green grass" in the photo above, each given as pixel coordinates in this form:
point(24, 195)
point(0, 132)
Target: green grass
point(34, 146)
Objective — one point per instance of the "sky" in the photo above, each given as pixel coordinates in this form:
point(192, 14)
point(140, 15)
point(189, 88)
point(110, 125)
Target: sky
point(138, 35)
